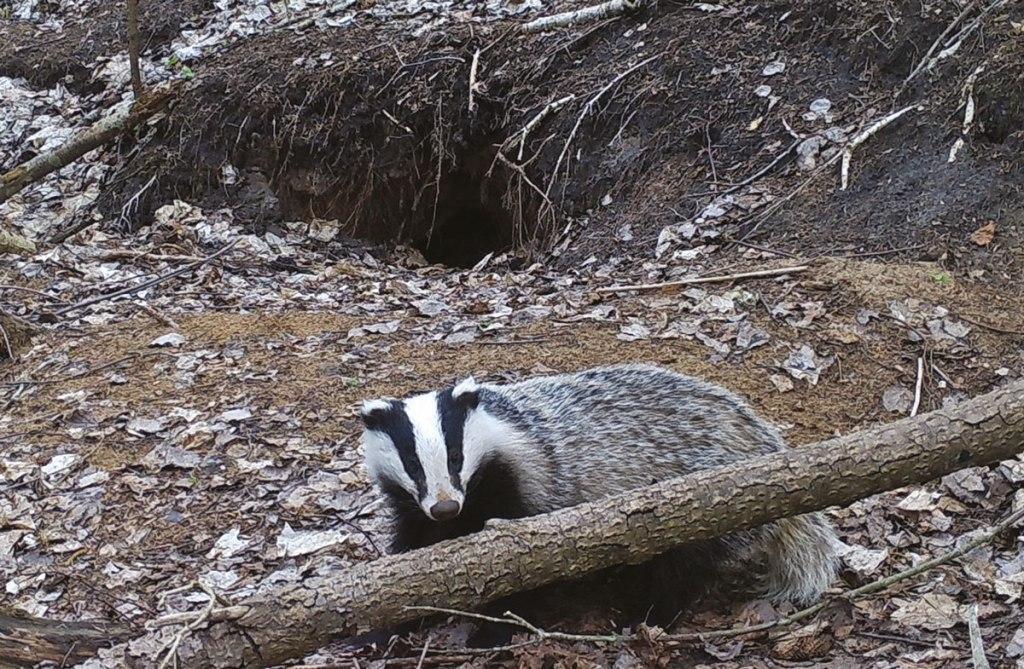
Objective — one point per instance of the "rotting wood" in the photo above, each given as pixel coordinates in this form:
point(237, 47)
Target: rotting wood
point(603, 10)
point(288, 620)
point(101, 132)
point(27, 641)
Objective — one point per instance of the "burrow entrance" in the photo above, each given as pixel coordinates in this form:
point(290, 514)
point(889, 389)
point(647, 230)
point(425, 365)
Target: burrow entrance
point(456, 224)
point(468, 223)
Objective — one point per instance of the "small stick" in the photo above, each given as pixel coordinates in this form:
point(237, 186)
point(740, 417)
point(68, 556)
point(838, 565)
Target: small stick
point(157, 316)
point(217, 615)
point(917, 387)
point(967, 100)
point(426, 644)
point(472, 80)
point(586, 110)
point(778, 271)
point(993, 328)
point(593, 13)
point(535, 121)
point(977, 644)
point(202, 618)
point(124, 254)
point(761, 172)
point(8, 349)
point(862, 137)
point(935, 45)
point(34, 292)
point(396, 122)
point(147, 284)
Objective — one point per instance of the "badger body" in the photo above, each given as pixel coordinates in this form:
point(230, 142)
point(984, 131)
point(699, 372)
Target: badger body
point(449, 460)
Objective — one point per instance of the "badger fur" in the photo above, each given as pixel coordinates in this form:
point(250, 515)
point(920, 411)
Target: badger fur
point(449, 460)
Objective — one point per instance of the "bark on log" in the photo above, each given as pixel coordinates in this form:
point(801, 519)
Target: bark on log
point(288, 621)
point(26, 641)
point(12, 243)
point(100, 133)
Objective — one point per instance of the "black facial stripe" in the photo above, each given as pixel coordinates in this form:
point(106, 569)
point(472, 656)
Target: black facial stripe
point(396, 424)
point(453, 420)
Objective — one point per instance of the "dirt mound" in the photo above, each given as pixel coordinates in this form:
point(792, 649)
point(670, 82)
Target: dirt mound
point(671, 109)
point(45, 59)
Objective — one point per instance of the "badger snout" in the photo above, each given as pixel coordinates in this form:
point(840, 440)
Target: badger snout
point(445, 510)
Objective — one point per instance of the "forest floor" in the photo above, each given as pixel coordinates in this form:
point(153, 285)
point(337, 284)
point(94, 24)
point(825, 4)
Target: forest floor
point(204, 428)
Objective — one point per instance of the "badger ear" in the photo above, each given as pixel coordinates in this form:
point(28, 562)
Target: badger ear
point(466, 393)
point(373, 413)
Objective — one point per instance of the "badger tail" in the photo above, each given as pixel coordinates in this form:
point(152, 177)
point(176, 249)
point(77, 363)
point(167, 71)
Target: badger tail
point(801, 558)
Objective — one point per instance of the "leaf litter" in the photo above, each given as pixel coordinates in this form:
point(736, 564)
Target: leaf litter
point(140, 456)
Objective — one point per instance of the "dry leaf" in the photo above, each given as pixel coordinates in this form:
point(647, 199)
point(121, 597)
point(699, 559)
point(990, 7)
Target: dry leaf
point(983, 235)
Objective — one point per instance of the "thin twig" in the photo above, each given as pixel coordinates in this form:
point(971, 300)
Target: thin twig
point(201, 619)
point(549, 108)
point(220, 614)
point(33, 291)
point(917, 386)
point(977, 644)
point(593, 13)
point(472, 79)
point(426, 644)
point(863, 136)
point(8, 349)
point(994, 328)
point(147, 284)
point(935, 45)
point(778, 271)
point(587, 108)
point(761, 172)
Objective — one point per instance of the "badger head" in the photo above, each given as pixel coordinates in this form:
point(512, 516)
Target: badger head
point(424, 450)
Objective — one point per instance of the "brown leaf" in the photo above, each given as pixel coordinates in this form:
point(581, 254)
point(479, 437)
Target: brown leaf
point(983, 235)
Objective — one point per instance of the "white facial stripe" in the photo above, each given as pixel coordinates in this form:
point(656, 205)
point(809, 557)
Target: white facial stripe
point(383, 462)
point(483, 434)
point(431, 449)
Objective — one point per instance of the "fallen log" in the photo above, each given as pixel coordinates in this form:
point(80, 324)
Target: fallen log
point(26, 641)
point(287, 621)
point(100, 133)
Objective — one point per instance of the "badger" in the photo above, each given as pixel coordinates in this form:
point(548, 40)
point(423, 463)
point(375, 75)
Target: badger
point(447, 461)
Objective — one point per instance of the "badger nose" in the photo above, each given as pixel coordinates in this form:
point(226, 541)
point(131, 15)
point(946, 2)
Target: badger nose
point(445, 510)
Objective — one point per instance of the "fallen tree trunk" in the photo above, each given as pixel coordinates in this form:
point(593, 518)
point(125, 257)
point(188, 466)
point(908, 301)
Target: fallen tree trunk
point(26, 641)
point(100, 133)
point(290, 620)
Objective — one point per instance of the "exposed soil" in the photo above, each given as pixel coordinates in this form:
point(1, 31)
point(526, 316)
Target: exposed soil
point(68, 57)
point(376, 132)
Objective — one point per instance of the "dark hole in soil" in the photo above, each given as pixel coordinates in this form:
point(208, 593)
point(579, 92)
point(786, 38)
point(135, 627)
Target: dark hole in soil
point(467, 226)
